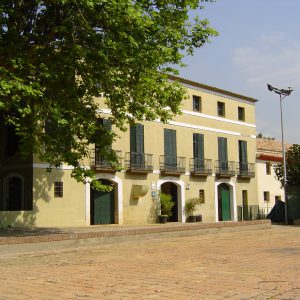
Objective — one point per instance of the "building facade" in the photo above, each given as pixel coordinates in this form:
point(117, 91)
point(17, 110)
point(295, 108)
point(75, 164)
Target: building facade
point(208, 152)
point(269, 154)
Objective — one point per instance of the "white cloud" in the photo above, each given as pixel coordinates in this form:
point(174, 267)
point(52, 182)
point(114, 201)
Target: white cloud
point(272, 59)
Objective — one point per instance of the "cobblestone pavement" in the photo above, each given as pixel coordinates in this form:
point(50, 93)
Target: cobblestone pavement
point(257, 264)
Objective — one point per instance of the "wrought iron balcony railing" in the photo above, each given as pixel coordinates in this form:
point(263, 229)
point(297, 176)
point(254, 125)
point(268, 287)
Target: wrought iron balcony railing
point(246, 170)
point(103, 164)
point(225, 168)
point(250, 212)
point(172, 165)
point(200, 167)
point(139, 162)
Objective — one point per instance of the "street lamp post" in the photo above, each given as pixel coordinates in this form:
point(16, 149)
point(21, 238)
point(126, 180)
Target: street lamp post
point(282, 94)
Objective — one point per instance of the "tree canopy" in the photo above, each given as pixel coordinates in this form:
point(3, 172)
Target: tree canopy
point(57, 55)
point(292, 166)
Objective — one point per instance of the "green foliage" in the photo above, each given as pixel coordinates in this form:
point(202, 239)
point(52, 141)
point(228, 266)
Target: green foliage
point(262, 136)
point(292, 166)
point(166, 204)
point(56, 56)
point(190, 206)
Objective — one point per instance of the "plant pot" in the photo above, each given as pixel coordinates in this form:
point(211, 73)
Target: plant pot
point(163, 219)
point(191, 219)
point(199, 218)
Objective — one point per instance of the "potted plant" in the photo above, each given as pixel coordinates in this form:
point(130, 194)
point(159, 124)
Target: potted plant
point(190, 208)
point(166, 205)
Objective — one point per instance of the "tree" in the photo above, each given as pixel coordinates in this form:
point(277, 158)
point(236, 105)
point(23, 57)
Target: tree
point(57, 55)
point(292, 166)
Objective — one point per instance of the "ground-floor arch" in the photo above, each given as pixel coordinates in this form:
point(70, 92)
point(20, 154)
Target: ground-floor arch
point(224, 207)
point(176, 189)
point(225, 201)
point(103, 205)
point(112, 200)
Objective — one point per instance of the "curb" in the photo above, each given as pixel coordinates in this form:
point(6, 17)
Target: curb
point(168, 229)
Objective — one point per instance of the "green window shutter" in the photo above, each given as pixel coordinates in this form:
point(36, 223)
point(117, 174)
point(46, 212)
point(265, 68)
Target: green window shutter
point(243, 152)
point(170, 150)
point(198, 146)
point(243, 159)
point(137, 138)
point(222, 149)
point(140, 138)
point(132, 138)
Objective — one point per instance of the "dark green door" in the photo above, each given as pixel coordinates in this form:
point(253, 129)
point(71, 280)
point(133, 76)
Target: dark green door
point(103, 207)
point(224, 203)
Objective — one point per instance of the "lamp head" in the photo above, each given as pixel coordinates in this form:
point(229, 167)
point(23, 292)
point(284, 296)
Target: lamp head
point(270, 88)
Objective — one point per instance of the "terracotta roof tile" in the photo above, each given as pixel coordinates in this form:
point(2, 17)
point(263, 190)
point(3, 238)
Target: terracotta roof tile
point(270, 147)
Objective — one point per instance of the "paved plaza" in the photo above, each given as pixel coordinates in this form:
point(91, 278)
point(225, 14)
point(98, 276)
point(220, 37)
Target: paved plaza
point(256, 264)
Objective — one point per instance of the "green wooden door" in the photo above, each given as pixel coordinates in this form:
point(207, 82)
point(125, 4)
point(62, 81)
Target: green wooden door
point(103, 207)
point(226, 214)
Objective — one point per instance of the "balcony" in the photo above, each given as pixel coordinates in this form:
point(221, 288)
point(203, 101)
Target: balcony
point(224, 169)
point(100, 164)
point(200, 167)
point(139, 162)
point(245, 170)
point(172, 165)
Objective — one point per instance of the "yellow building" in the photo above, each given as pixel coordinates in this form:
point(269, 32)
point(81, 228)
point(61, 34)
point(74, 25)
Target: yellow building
point(208, 152)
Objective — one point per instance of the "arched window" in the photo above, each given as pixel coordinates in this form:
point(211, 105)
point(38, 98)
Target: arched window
point(13, 193)
point(15, 188)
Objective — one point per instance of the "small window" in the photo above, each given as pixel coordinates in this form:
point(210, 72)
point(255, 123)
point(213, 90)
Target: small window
point(267, 196)
point(268, 168)
point(197, 103)
point(58, 189)
point(201, 196)
point(241, 113)
point(221, 109)
point(277, 198)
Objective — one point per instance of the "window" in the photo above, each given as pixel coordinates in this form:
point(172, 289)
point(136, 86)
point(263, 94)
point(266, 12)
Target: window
point(16, 194)
point(245, 197)
point(268, 168)
point(170, 149)
point(223, 155)
point(277, 198)
point(198, 150)
point(221, 109)
point(137, 146)
point(197, 103)
point(58, 189)
point(243, 160)
point(201, 196)
point(267, 196)
point(241, 113)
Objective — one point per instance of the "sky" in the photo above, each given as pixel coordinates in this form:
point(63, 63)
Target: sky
point(258, 43)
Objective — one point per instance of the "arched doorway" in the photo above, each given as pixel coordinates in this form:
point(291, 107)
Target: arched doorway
point(171, 188)
point(103, 205)
point(224, 203)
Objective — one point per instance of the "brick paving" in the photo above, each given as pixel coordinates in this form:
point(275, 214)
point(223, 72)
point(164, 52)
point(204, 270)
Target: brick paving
point(257, 264)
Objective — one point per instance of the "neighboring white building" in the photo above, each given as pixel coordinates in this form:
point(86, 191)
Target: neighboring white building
point(269, 153)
